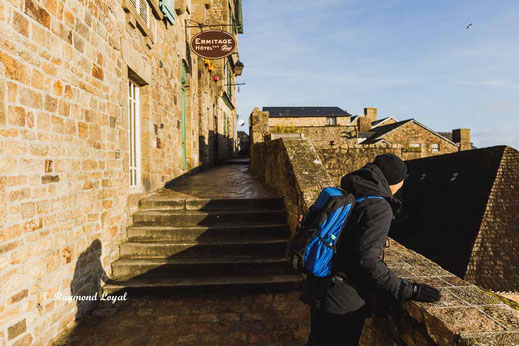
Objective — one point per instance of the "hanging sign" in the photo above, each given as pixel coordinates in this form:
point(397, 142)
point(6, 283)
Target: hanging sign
point(213, 44)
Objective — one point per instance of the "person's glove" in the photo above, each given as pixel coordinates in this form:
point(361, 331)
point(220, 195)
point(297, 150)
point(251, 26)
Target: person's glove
point(425, 293)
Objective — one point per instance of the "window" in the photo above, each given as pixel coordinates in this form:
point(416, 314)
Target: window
point(435, 148)
point(331, 121)
point(134, 135)
point(415, 145)
point(143, 8)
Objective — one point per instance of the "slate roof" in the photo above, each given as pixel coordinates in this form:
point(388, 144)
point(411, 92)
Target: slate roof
point(447, 135)
point(460, 211)
point(280, 112)
point(380, 131)
point(376, 122)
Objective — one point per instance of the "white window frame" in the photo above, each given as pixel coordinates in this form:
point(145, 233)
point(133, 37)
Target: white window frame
point(134, 136)
point(415, 145)
point(333, 121)
point(435, 147)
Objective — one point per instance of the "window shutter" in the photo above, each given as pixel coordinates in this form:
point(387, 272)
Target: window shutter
point(168, 8)
point(144, 11)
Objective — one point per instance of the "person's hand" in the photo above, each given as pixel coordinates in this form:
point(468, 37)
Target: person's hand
point(425, 293)
point(300, 217)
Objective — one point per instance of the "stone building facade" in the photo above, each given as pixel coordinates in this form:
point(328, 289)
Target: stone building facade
point(101, 103)
point(349, 143)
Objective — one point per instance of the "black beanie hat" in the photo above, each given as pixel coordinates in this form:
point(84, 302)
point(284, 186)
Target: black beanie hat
point(392, 166)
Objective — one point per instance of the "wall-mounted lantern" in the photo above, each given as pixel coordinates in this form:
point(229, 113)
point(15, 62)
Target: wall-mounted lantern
point(238, 68)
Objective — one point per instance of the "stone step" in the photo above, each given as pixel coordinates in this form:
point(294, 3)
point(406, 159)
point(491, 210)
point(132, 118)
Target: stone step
point(227, 283)
point(161, 202)
point(191, 249)
point(208, 218)
point(126, 268)
point(139, 233)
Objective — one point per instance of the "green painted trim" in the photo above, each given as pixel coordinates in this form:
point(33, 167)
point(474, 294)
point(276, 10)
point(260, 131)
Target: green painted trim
point(184, 82)
point(227, 101)
point(239, 17)
point(168, 8)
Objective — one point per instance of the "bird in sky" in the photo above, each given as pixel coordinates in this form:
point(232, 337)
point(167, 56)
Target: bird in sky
point(469, 26)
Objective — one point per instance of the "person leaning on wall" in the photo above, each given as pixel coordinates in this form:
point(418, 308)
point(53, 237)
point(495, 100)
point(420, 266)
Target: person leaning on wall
point(340, 308)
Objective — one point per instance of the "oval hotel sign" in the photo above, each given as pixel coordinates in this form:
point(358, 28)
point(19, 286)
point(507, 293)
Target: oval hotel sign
point(213, 44)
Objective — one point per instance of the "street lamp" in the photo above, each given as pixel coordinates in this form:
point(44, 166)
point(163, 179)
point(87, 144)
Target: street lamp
point(238, 68)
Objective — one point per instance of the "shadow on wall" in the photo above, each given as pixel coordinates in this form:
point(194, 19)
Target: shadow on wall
point(87, 278)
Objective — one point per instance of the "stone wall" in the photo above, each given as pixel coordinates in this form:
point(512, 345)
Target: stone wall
point(338, 160)
point(322, 136)
point(494, 261)
point(466, 315)
point(65, 200)
point(306, 121)
point(411, 134)
point(292, 167)
point(470, 199)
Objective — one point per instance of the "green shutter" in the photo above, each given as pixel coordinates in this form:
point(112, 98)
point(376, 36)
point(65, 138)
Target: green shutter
point(168, 8)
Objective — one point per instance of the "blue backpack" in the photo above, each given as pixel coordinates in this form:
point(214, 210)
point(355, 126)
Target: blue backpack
point(314, 243)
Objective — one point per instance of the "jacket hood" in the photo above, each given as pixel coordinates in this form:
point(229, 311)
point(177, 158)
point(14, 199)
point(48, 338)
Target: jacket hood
point(369, 181)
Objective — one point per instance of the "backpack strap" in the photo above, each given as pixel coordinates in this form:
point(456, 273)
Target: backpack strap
point(360, 199)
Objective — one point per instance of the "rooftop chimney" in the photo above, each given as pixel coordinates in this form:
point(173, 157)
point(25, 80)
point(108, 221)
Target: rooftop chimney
point(364, 123)
point(371, 113)
point(462, 138)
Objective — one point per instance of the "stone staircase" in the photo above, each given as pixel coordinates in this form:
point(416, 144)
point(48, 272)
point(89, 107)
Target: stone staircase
point(203, 244)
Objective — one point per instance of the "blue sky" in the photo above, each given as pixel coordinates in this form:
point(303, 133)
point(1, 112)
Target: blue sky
point(410, 59)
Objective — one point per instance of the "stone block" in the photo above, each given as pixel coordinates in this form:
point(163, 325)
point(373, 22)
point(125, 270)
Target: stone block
point(16, 116)
point(38, 13)
point(16, 329)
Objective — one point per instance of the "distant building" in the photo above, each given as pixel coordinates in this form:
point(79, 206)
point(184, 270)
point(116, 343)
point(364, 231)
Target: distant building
point(416, 139)
point(244, 144)
point(307, 116)
point(329, 127)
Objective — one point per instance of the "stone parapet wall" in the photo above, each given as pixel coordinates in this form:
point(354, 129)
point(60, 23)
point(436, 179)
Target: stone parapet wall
point(466, 315)
point(293, 168)
point(494, 262)
point(342, 159)
point(322, 136)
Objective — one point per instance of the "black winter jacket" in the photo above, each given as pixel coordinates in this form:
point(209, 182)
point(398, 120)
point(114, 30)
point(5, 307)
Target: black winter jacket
point(360, 250)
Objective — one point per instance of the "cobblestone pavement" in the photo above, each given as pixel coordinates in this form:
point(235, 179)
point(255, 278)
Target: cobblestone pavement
point(226, 181)
point(209, 319)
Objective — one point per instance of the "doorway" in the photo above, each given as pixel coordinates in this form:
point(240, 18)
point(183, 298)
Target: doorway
point(134, 115)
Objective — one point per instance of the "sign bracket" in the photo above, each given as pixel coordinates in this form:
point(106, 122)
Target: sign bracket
point(201, 26)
